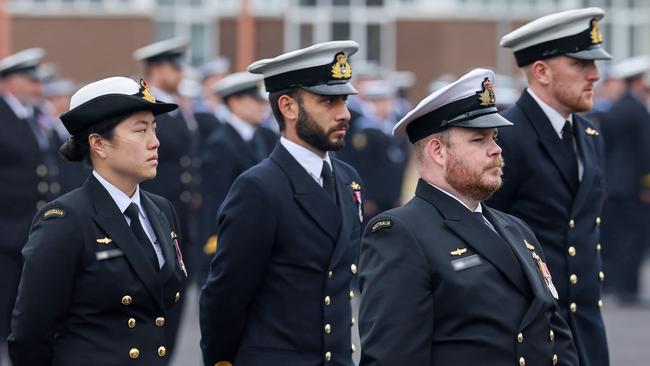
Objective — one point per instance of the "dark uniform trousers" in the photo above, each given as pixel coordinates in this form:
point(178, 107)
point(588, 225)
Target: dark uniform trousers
point(88, 294)
point(440, 287)
point(278, 292)
point(29, 177)
point(564, 218)
point(225, 156)
point(626, 131)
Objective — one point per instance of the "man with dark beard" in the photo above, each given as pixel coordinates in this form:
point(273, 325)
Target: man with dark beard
point(278, 291)
point(554, 179)
point(446, 280)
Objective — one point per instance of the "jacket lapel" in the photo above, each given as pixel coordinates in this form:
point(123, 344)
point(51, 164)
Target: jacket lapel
point(163, 233)
point(348, 209)
point(309, 194)
point(548, 137)
point(588, 152)
point(479, 236)
point(519, 248)
point(111, 220)
point(535, 280)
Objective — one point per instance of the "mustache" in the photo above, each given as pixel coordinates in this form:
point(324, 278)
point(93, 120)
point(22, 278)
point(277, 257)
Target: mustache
point(497, 163)
point(341, 125)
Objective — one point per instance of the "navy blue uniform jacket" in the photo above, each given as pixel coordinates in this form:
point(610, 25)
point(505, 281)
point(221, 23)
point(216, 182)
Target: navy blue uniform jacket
point(88, 294)
point(536, 189)
point(279, 289)
point(439, 288)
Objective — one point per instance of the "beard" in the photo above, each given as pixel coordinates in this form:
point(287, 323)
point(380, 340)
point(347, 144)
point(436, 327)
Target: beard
point(576, 102)
point(472, 182)
point(312, 133)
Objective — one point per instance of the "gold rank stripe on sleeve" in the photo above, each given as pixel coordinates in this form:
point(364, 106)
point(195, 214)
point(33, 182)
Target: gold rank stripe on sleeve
point(54, 212)
point(381, 225)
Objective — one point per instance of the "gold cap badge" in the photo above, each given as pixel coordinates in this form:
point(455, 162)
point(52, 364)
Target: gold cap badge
point(341, 68)
point(486, 95)
point(145, 93)
point(596, 34)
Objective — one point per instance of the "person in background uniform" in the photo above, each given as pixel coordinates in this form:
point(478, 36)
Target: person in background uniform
point(379, 157)
point(626, 131)
point(102, 265)
point(437, 273)
point(403, 82)
point(237, 146)
point(553, 178)
point(279, 287)
point(208, 109)
point(358, 107)
point(28, 170)
point(57, 93)
point(179, 161)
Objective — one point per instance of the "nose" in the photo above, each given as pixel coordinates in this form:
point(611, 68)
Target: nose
point(343, 113)
point(495, 149)
point(592, 72)
point(154, 143)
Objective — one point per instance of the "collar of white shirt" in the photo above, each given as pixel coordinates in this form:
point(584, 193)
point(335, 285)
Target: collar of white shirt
point(121, 199)
point(478, 207)
point(312, 163)
point(245, 130)
point(557, 121)
point(17, 107)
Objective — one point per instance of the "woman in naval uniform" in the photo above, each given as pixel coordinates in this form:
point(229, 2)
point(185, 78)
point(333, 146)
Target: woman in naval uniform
point(102, 265)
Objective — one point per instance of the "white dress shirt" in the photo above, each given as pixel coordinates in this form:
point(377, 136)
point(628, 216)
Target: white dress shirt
point(123, 201)
point(17, 107)
point(245, 130)
point(312, 163)
point(557, 121)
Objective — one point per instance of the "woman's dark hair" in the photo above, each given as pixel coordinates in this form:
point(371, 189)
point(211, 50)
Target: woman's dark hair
point(76, 148)
point(275, 96)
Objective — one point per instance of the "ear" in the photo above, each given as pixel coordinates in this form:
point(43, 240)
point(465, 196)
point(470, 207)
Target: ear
point(437, 151)
point(288, 107)
point(541, 72)
point(97, 145)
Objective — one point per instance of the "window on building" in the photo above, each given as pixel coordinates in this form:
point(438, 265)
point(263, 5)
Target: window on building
point(306, 35)
point(340, 31)
point(373, 39)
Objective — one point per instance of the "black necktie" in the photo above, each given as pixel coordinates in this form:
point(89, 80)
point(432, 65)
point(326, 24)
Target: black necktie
point(479, 215)
point(328, 180)
point(132, 213)
point(39, 134)
point(569, 142)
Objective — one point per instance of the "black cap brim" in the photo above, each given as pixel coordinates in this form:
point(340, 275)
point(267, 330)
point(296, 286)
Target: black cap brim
point(491, 120)
point(332, 89)
point(109, 106)
point(594, 53)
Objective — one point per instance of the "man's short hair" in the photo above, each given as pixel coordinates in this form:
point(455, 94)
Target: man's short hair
point(421, 145)
point(274, 97)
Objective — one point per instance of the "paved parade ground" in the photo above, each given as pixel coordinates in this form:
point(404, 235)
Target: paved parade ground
point(628, 331)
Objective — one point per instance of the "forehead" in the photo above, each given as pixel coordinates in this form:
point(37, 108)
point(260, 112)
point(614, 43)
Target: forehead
point(140, 117)
point(465, 131)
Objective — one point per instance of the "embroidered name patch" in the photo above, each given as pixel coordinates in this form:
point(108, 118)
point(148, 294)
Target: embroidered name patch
point(54, 212)
point(381, 225)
